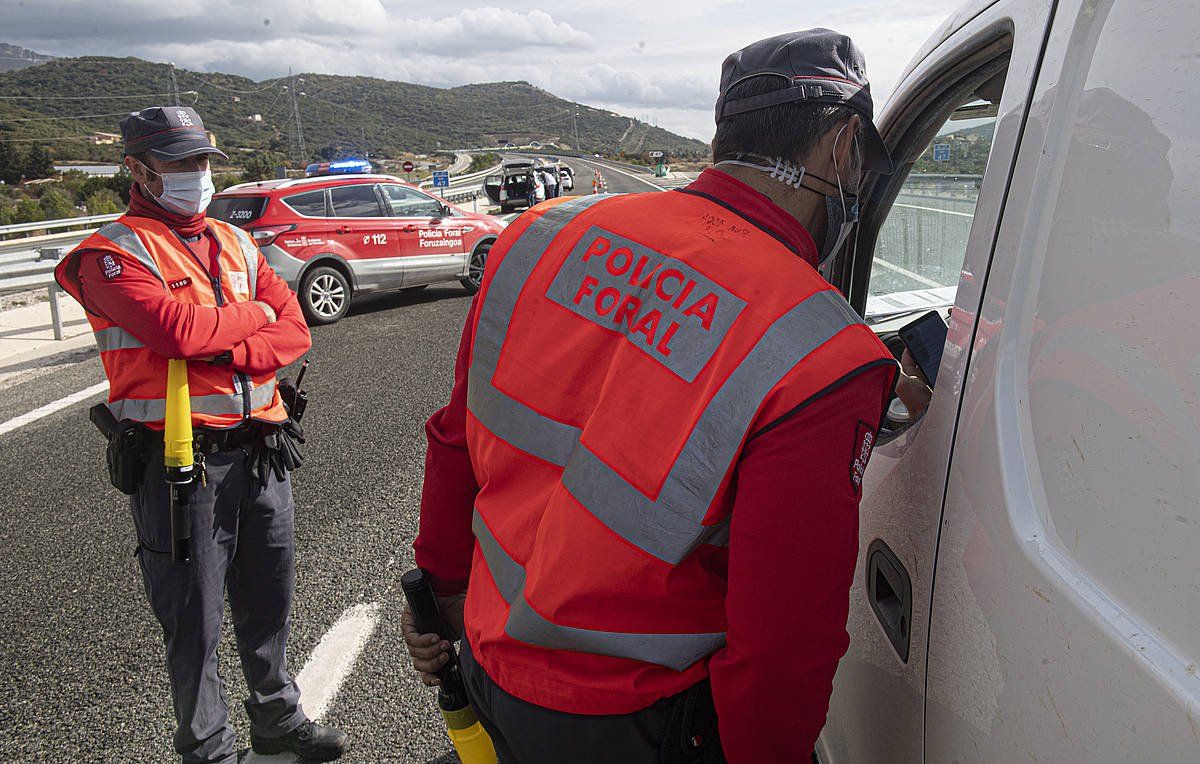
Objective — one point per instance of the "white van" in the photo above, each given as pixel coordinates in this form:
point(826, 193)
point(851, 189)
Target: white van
point(1028, 583)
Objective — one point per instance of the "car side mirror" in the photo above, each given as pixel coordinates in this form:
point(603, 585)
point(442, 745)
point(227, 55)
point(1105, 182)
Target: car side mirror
point(444, 212)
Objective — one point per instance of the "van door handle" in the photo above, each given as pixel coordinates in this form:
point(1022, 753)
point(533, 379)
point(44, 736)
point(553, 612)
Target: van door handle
point(409, 228)
point(345, 229)
point(889, 590)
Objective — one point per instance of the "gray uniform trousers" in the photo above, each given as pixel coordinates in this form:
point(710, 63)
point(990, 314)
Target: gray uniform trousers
point(242, 541)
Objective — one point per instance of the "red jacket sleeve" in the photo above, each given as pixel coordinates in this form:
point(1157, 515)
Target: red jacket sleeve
point(445, 542)
point(274, 345)
point(136, 300)
point(792, 549)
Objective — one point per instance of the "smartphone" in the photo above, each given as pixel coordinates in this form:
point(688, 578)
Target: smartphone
point(925, 338)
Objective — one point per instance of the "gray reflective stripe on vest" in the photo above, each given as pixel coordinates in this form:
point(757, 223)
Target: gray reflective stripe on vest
point(116, 338)
point(124, 239)
point(510, 420)
point(250, 253)
point(217, 404)
point(669, 527)
point(675, 651)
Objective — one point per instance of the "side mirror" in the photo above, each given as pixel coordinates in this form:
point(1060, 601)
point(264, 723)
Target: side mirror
point(445, 211)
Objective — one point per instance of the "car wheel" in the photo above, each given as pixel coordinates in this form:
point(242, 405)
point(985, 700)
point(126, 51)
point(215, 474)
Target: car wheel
point(475, 268)
point(324, 295)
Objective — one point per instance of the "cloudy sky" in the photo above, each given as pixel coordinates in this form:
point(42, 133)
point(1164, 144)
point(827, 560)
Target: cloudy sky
point(656, 60)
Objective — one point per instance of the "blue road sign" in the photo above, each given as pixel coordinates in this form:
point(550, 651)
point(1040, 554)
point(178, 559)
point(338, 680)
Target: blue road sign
point(441, 178)
point(941, 152)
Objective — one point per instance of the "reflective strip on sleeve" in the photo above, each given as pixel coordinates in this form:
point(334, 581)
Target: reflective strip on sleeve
point(675, 651)
point(124, 239)
point(250, 253)
point(216, 404)
point(116, 338)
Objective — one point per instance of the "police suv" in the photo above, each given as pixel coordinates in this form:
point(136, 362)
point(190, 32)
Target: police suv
point(335, 237)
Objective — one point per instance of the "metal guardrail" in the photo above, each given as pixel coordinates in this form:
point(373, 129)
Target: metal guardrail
point(34, 269)
point(50, 225)
point(463, 180)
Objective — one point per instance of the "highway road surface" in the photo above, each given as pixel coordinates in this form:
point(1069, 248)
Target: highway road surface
point(82, 675)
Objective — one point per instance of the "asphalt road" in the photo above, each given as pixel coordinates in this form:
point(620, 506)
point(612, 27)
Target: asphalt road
point(81, 658)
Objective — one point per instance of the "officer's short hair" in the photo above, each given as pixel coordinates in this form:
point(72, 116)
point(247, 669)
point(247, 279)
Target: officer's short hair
point(789, 130)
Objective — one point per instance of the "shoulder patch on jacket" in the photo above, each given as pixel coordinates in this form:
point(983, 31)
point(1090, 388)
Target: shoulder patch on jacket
point(864, 442)
point(110, 266)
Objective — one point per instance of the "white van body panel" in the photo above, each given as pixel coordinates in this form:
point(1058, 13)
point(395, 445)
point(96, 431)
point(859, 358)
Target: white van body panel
point(1056, 595)
point(1066, 615)
point(877, 709)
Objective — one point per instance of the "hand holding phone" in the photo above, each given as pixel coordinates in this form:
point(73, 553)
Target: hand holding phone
point(925, 338)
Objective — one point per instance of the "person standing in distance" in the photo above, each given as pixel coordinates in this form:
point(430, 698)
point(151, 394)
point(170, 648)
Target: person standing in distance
point(166, 282)
point(641, 503)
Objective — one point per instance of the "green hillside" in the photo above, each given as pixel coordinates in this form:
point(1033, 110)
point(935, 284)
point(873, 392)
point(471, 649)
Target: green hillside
point(338, 114)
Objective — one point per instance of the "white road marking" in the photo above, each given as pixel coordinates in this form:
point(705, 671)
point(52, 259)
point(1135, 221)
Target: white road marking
point(935, 209)
point(905, 272)
point(50, 408)
point(328, 666)
point(655, 186)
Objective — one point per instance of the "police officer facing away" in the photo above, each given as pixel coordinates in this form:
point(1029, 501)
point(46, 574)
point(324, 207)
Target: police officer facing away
point(166, 282)
point(641, 501)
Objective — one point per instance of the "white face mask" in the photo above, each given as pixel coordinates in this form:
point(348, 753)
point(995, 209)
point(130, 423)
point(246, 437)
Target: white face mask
point(187, 193)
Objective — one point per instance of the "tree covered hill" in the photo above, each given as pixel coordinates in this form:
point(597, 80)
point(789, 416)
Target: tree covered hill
point(79, 96)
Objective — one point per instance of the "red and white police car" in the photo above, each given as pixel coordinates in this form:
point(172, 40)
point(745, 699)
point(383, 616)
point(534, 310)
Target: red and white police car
point(336, 237)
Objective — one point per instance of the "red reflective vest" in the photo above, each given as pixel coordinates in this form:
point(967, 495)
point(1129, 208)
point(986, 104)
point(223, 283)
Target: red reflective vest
point(624, 350)
point(137, 377)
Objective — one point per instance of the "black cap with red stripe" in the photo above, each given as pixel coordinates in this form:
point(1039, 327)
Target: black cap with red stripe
point(167, 133)
point(820, 66)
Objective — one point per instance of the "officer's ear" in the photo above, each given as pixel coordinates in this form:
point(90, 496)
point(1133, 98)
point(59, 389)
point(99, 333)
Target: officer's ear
point(137, 169)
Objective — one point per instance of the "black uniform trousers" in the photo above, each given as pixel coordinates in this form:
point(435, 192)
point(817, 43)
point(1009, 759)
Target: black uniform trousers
point(242, 542)
point(681, 729)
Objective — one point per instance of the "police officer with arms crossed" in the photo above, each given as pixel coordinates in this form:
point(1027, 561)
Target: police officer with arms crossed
point(166, 282)
point(644, 490)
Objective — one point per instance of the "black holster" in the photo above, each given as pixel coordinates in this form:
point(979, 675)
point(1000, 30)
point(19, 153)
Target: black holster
point(692, 736)
point(126, 452)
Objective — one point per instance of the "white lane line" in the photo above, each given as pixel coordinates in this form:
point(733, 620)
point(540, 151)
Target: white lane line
point(328, 666)
point(50, 408)
point(655, 186)
point(935, 209)
point(905, 272)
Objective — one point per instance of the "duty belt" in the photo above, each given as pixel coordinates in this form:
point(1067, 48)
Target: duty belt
point(215, 441)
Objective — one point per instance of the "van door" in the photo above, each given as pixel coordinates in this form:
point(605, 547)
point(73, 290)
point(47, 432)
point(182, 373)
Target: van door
point(1066, 615)
point(924, 243)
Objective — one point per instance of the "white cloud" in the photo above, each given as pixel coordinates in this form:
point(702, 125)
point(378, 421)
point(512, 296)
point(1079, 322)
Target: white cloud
point(657, 60)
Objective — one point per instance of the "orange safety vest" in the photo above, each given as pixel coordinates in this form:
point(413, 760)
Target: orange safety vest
point(612, 387)
point(137, 376)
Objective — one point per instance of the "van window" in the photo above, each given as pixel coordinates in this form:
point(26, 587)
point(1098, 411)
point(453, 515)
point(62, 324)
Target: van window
point(239, 210)
point(409, 203)
point(923, 241)
point(355, 202)
point(310, 204)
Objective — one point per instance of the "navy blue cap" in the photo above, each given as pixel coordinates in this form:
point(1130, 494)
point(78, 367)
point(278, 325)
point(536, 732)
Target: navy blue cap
point(167, 133)
point(820, 66)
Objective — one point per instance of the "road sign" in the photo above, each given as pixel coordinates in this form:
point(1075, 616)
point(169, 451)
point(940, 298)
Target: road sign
point(655, 154)
point(408, 166)
point(941, 152)
point(441, 178)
